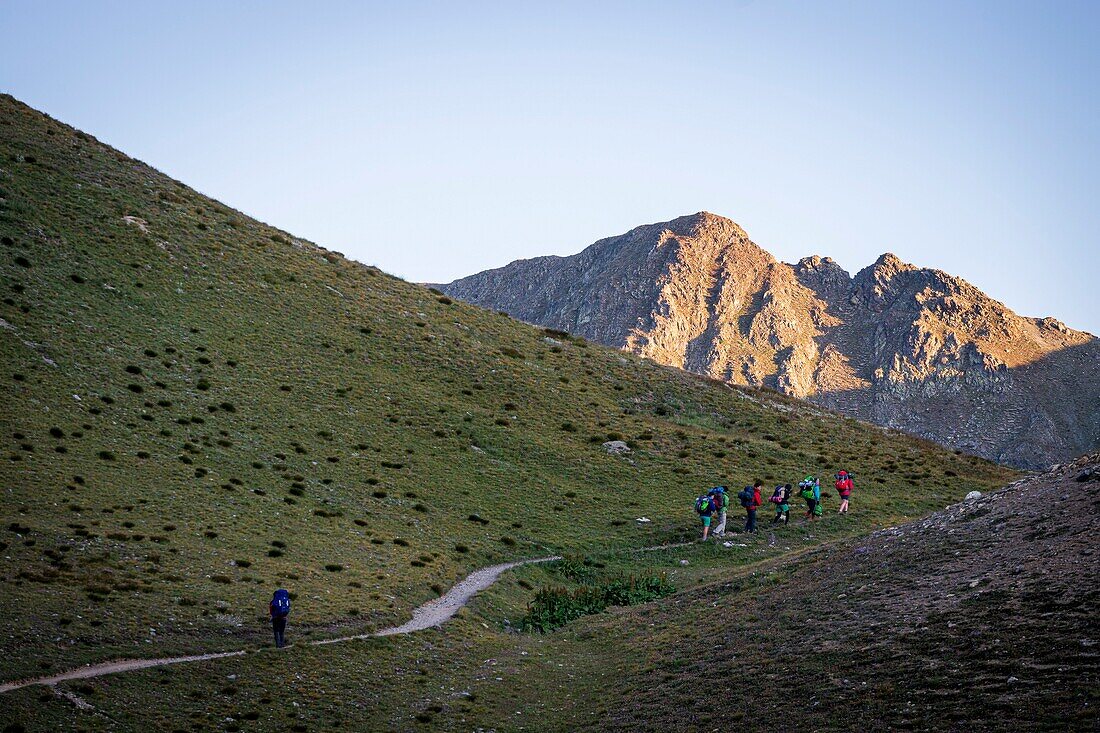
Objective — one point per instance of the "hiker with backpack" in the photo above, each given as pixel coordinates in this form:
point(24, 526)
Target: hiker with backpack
point(810, 490)
point(279, 608)
point(705, 508)
point(844, 488)
point(781, 497)
point(750, 499)
point(721, 505)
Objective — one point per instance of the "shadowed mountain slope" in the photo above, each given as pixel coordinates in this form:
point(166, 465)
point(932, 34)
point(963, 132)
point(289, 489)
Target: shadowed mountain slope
point(905, 347)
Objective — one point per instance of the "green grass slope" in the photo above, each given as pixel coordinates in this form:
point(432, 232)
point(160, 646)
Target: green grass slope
point(975, 618)
point(197, 408)
point(980, 617)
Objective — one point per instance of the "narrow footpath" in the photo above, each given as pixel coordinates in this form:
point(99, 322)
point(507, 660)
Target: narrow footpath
point(433, 613)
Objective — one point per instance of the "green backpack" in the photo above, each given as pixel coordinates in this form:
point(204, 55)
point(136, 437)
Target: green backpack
point(807, 485)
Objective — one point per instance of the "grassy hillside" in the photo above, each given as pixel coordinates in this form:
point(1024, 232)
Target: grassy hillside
point(980, 617)
point(977, 618)
point(197, 408)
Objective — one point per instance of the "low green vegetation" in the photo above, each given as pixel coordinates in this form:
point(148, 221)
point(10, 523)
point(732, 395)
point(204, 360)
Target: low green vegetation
point(197, 408)
point(576, 568)
point(555, 606)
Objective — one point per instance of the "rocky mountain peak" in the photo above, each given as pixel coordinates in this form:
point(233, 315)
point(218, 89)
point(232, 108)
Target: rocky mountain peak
point(885, 268)
point(716, 232)
point(822, 274)
point(888, 262)
point(705, 219)
point(907, 347)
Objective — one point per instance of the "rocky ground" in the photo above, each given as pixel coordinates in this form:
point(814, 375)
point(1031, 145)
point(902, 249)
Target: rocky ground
point(980, 617)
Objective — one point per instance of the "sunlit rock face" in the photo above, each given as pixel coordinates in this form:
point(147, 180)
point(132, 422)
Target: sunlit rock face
point(903, 346)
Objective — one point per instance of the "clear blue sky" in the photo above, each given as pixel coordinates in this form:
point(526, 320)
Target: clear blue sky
point(439, 139)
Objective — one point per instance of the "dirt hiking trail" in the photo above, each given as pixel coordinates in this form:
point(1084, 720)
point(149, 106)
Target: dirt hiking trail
point(432, 613)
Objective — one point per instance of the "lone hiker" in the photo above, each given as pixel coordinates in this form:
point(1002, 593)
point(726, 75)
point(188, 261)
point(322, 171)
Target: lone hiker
point(810, 490)
point(750, 499)
point(705, 507)
point(721, 504)
point(782, 500)
point(279, 610)
point(844, 488)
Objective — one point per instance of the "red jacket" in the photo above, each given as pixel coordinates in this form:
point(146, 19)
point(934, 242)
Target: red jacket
point(844, 488)
point(756, 502)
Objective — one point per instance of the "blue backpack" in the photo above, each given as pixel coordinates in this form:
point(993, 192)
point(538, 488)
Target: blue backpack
point(704, 505)
point(281, 603)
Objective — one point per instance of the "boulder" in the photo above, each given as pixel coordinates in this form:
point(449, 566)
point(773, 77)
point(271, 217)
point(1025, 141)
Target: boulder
point(973, 495)
point(617, 448)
